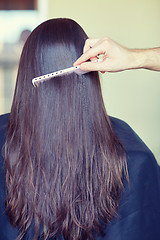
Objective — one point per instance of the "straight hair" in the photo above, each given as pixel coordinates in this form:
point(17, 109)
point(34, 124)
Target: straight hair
point(65, 167)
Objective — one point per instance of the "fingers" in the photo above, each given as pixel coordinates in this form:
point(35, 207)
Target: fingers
point(89, 44)
point(91, 54)
point(91, 51)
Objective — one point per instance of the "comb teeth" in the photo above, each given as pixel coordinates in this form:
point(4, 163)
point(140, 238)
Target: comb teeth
point(36, 81)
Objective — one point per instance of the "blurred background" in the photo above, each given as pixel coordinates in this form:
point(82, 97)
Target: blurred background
point(133, 95)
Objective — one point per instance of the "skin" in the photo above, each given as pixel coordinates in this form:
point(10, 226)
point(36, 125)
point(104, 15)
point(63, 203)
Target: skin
point(116, 57)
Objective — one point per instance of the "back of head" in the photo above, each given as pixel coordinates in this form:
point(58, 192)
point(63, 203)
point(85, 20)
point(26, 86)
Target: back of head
point(64, 164)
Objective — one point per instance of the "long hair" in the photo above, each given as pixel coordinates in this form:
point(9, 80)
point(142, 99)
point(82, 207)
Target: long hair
point(64, 165)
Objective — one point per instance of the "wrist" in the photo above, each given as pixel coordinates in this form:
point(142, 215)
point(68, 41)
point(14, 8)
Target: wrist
point(145, 58)
point(138, 58)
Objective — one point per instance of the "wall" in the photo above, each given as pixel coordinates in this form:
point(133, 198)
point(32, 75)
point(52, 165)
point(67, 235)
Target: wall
point(15, 26)
point(134, 95)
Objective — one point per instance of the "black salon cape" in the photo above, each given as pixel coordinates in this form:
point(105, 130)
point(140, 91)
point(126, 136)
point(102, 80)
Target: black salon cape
point(139, 210)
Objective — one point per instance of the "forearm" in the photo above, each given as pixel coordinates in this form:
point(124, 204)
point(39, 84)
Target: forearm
point(145, 58)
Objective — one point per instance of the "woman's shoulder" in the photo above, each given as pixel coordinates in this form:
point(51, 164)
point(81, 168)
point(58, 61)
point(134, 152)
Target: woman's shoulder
point(139, 204)
point(142, 165)
point(4, 121)
point(3, 128)
point(6, 230)
point(129, 138)
point(140, 159)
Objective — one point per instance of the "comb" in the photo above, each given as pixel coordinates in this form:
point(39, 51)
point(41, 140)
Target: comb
point(36, 81)
point(66, 71)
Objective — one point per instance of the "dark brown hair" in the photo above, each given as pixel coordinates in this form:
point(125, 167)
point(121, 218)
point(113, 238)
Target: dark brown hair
point(64, 165)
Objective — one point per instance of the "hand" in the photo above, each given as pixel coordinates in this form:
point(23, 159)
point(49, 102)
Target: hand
point(115, 56)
